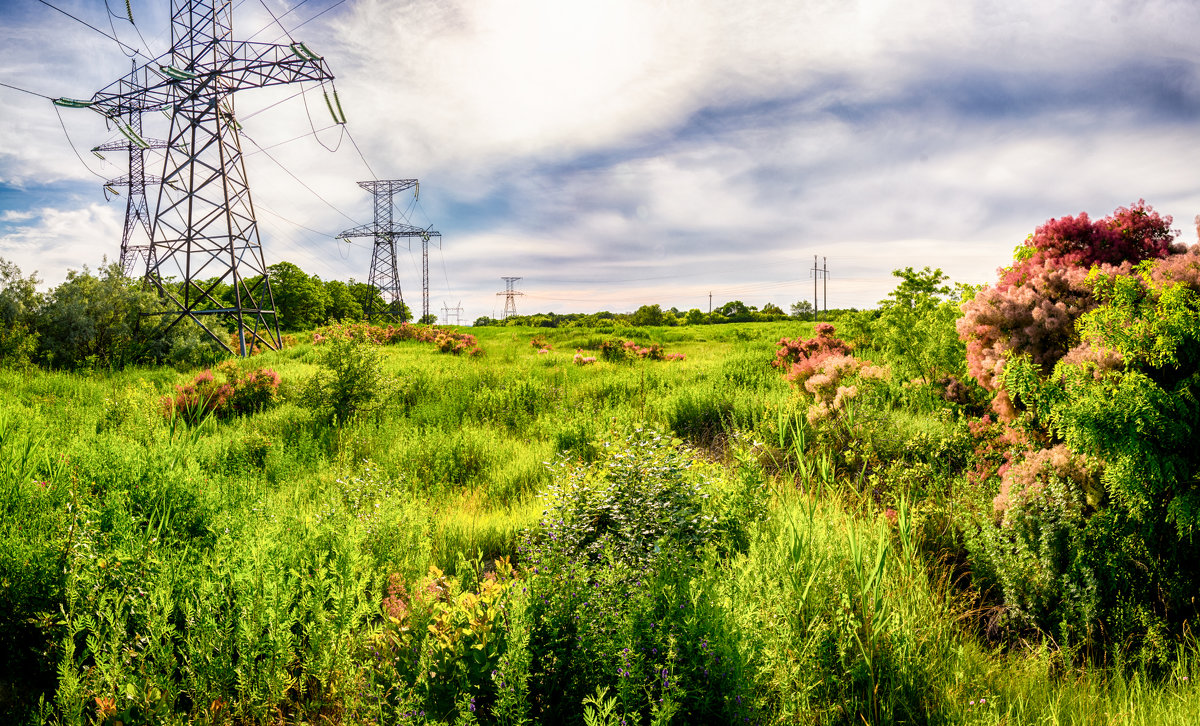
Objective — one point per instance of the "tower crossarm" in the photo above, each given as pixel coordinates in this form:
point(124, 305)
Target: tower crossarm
point(124, 145)
point(218, 70)
point(393, 230)
point(123, 180)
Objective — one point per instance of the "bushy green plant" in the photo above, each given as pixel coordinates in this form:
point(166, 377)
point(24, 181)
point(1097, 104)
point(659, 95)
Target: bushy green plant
point(1130, 398)
point(351, 381)
point(636, 504)
point(916, 326)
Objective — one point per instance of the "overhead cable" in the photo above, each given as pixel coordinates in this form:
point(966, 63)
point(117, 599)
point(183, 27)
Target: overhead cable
point(298, 180)
point(98, 30)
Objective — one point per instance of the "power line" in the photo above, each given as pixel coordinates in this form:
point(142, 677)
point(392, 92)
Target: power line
point(281, 17)
point(136, 29)
point(25, 90)
point(306, 22)
point(293, 139)
point(298, 180)
point(98, 30)
point(360, 155)
point(285, 30)
point(72, 144)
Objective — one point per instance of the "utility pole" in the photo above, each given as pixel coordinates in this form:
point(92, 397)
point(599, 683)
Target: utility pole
point(510, 300)
point(204, 233)
point(137, 210)
point(385, 275)
point(816, 306)
point(825, 286)
point(818, 272)
point(710, 303)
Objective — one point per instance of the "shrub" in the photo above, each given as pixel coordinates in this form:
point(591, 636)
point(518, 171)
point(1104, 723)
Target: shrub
point(1113, 532)
point(445, 339)
point(1033, 307)
point(823, 368)
point(636, 504)
point(915, 327)
point(808, 352)
point(441, 641)
point(242, 392)
point(351, 381)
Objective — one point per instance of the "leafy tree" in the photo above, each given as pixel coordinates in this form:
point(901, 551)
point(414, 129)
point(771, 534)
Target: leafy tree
point(341, 305)
point(802, 309)
point(695, 317)
point(19, 301)
point(371, 301)
point(647, 315)
point(300, 300)
point(484, 321)
point(736, 311)
point(915, 327)
point(771, 311)
point(428, 319)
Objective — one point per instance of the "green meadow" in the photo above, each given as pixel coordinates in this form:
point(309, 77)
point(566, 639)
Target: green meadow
point(405, 535)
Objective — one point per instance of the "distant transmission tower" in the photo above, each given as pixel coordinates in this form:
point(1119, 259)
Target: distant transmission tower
point(385, 275)
point(456, 311)
point(204, 234)
point(134, 254)
point(510, 297)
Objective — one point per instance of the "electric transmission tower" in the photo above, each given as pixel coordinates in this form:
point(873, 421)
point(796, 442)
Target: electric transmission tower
point(510, 297)
point(456, 311)
point(137, 211)
point(204, 235)
point(385, 275)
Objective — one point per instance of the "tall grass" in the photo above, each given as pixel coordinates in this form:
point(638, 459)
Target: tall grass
point(237, 571)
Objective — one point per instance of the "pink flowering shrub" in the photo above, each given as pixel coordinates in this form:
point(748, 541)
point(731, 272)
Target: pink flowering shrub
point(1130, 234)
point(242, 392)
point(823, 368)
point(1033, 308)
point(583, 360)
point(617, 350)
point(1023, 484)
point(808, 352)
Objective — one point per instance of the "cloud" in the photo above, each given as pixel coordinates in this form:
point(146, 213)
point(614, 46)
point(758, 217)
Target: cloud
point(593, 147)
point(57, 240)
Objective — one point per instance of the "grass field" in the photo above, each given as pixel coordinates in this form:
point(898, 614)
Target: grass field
point(399, 566)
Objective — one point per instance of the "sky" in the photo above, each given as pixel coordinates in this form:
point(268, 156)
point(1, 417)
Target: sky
point(616, 153)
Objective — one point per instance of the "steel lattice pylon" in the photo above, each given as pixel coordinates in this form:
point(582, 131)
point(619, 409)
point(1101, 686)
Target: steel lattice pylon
point(205, 234)
point(510, 297)
point(137, 211)
point(385, 275)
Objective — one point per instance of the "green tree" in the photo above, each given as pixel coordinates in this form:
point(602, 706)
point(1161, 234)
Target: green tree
point(802, 309)
point(19, 301)
point(647, 315)
point(371, 301)
point(342, 305)
point(300, 300)
point(736, 311)
point(93, 320)
point(915, 327)
point(771, 311)
point(695, 317)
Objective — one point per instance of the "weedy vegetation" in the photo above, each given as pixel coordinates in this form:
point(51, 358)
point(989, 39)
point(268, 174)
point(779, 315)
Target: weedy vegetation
point(931, 513)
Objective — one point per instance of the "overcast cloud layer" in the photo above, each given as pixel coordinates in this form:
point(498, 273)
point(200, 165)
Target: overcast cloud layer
point(622, 152)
